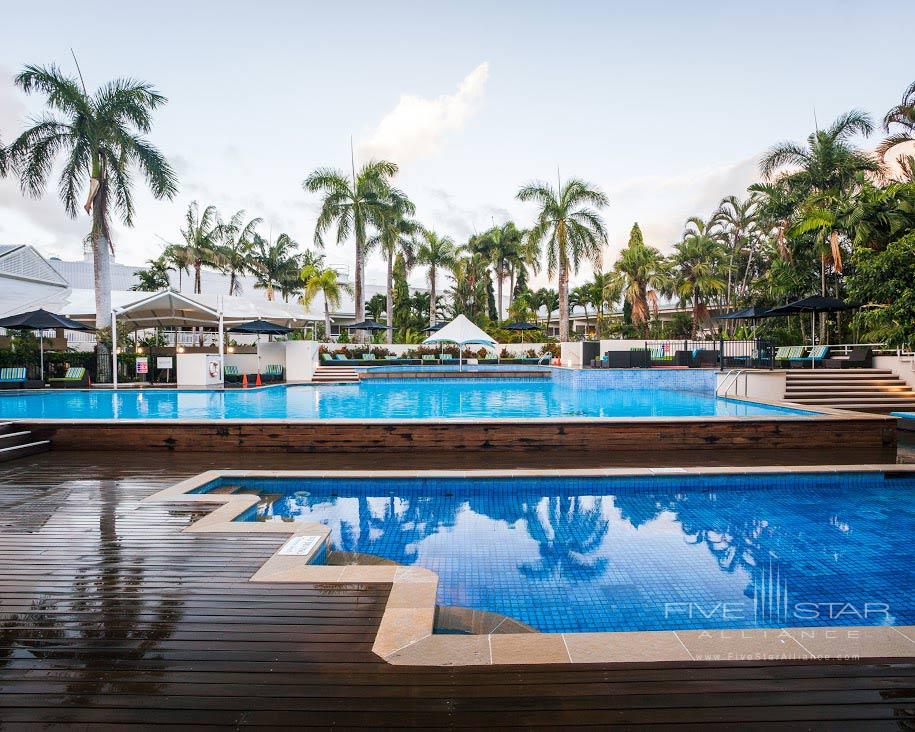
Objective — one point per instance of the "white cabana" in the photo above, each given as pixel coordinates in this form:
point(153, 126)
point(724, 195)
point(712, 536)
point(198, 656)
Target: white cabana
point(462, 332)
point(169, 308)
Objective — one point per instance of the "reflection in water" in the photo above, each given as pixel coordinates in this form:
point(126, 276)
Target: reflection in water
point(660, 553)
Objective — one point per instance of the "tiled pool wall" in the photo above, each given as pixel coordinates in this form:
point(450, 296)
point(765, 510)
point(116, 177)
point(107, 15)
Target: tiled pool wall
point(696, 380)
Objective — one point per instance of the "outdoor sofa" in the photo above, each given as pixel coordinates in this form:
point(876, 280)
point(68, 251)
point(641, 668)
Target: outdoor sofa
point(860, 357)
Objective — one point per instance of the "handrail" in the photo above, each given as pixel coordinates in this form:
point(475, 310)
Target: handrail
point(547, 356)
point(726, 385)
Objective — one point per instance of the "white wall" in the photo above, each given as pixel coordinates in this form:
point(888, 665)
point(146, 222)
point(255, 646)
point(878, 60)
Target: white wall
point(195, 370)
point(301, 357)
point(398, 349)
point(768, 386)
point(905, 370)
point(570, 354)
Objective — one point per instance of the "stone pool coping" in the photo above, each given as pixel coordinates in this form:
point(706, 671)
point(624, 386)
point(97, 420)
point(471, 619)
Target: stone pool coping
point(405, 633)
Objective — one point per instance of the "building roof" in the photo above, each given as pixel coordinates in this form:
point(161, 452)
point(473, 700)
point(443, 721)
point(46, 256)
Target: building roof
point(24, 262)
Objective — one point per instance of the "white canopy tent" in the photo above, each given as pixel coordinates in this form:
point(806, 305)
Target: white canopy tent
point(462, 332)
point(169, 308)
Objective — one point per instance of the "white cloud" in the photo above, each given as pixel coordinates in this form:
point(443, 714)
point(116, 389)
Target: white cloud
point(416, 127)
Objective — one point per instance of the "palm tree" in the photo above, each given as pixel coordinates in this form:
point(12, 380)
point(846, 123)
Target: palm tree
point(580, 297)
point(323, 281)
point(178, 259)
point(902, 115)
point(273, 264)
point(236, 246)
point(3, 162)
point(697, 260)
point(638, 275)
point(376, 307)
point(154, 277)
point(102, 137)
point(547, 299)
point(571, 230)
point(826, 168)
point(503, 247)
point(201, 240)
point(396, 233)
point(736, 220)
point(436, 252)
point(352, 204)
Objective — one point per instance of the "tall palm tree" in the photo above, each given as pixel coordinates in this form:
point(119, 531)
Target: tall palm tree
point(570, 229)
point(396, 232)
point(437, 253)
point(351, 203)
point(3, 160)
point(827, 167)
point(102, 138)
point(323, 281)
point(273, 265)
point(548, 300)
point(236, 245)
point(697, 261)
point(503, 247)
point(736, 219)
point(902, 115)
point(201, 234)
point(638, 275)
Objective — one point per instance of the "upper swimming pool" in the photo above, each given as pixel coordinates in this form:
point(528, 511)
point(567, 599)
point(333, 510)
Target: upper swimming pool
point(446, 398)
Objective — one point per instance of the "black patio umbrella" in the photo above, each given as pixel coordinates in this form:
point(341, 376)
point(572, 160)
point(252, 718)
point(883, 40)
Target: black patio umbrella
point(813, 305)
point(365, 325)
point(752, 313)
point(433, 328)
point(521, 326)
point(261, 327)
point(41, 320)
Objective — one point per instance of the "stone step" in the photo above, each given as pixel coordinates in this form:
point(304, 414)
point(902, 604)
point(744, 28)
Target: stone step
point(852, 395)
point(821, 388)
point(840, 403)
point(20, 451)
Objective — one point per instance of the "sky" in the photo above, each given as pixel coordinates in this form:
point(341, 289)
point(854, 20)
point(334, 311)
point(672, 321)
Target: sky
point(666, 106)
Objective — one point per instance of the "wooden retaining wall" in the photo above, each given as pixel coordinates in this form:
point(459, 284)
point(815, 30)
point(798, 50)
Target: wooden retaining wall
point(639, 435)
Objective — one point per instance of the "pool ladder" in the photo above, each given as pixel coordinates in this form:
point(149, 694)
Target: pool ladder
point(732, 378)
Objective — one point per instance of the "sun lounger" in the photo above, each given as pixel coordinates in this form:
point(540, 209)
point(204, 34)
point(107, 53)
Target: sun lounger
point(231, 374)
point(785, 354)
point(75, 378)
point(273, 372)
point(816, 355)
point(14, 377)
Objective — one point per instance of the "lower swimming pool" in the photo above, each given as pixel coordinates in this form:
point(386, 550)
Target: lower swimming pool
point(664, 552)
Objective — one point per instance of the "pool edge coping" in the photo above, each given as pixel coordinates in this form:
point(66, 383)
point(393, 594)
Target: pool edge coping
point(405, 634)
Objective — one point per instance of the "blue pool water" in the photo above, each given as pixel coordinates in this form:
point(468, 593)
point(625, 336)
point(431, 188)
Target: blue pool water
point(621, 554)
point(386, 398)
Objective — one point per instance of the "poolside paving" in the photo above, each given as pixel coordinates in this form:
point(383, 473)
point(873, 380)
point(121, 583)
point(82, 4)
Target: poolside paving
point(111, 615)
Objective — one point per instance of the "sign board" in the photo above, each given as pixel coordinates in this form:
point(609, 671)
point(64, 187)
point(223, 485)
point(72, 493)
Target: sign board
point(142, 365)
point(164, 362)
point(299, 545)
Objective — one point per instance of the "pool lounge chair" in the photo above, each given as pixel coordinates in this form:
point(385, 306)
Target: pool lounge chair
point(368, 356)
point(816, 355)
point(231, 374)
point(447, 357)
point(860, 357)
point(75, 378)
point(14, 377)
point(428, 358)
point(272, 372)
point(785, 353)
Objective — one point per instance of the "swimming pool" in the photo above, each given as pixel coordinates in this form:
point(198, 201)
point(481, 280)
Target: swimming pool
point(446, 398)
point(667, 552)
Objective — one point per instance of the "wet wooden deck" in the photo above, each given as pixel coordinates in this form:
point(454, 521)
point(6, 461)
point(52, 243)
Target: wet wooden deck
point(109, 615)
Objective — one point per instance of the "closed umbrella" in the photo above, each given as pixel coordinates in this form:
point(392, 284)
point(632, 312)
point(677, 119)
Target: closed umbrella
point(41, 320)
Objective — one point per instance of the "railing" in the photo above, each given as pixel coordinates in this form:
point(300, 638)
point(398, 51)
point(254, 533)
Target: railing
point(722, 353)
point(732, 378)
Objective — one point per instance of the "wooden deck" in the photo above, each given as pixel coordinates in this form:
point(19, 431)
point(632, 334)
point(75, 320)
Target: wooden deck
point(109, 615)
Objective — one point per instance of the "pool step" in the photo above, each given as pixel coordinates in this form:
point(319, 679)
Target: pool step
point(860, 390)
point(18, 443)
point(334, 374)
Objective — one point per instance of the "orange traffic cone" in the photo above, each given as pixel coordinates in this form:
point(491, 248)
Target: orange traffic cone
point(244, 381)
point(258, 382)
